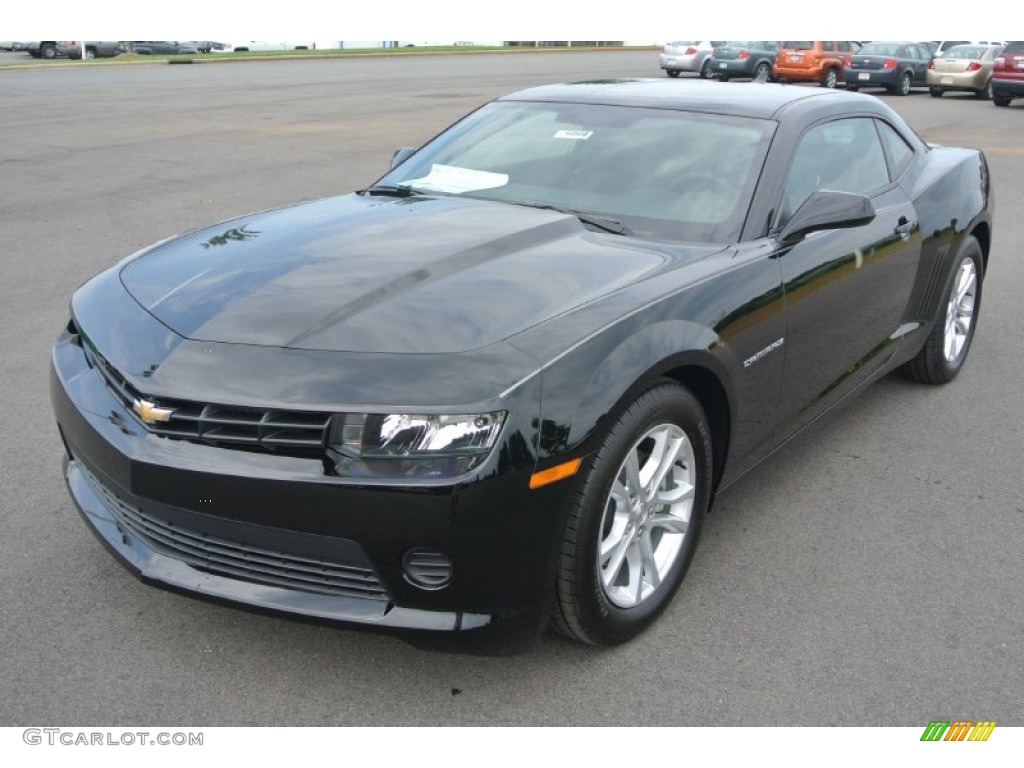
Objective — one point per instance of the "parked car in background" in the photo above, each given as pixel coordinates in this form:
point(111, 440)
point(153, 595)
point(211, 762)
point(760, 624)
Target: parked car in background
point(44, 49)
point(93, 48)
point(744, 58)
point(164, 47)
point(963, 68)
point(688, 56)
point(895, 66)
point(1008, 74)
point(816, 61)
point(266, 45)
point(205, 46)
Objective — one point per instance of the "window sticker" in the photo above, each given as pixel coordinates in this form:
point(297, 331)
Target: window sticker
point(453, 180)
point(574, 135)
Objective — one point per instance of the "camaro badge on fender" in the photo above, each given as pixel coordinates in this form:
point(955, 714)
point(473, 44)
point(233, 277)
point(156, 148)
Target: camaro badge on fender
point(151, 412)
point(764, 352)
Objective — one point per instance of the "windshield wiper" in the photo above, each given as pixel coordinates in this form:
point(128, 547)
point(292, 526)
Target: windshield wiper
point(394, 190)
point(603, 223)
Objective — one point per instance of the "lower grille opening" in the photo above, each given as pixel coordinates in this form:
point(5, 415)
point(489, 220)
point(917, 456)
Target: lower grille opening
point(237, 560)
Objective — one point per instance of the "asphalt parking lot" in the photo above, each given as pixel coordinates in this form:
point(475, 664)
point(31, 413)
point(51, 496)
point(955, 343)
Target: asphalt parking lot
point(869, 574)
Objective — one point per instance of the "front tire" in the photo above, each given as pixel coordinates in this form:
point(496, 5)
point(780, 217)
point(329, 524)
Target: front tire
point(633, 525)
point(984, 94)
point(48, 51)
point(945, 350)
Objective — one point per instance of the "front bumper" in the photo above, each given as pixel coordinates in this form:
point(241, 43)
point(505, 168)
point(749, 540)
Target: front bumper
point(138, 491)
point(103, 511)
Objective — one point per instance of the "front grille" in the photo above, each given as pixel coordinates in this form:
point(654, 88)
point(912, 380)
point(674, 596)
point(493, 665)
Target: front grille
point(235, 560)
point(292, 433)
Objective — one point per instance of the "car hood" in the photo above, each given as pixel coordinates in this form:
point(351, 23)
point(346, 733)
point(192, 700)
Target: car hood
point(380, 274)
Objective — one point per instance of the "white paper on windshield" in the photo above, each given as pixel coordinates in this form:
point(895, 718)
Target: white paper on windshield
point(453, 180)
point(575, 135)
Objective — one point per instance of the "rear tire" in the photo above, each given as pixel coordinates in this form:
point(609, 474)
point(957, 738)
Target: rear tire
point(935, 92)
point(1001, 99)
point(705, 69)
point(945, 350)
point(633, 524)
point(853, 88)
point(903, 89)
point(48, 51)
point(830, 79)
point(672, 72)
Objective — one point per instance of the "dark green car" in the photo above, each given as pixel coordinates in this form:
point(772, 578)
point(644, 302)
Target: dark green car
point(744, 58)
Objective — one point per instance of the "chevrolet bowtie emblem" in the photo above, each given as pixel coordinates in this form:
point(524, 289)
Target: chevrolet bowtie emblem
point(151, 413)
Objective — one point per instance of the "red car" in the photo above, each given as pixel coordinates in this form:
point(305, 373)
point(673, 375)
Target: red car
point(1008, 74)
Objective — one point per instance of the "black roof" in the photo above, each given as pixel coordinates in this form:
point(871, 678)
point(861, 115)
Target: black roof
point(762, 100)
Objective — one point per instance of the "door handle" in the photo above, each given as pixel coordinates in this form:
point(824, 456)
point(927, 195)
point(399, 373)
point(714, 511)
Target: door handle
point(905, 227)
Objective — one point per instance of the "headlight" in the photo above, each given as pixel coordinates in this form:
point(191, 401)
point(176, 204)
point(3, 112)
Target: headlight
point(411, 445)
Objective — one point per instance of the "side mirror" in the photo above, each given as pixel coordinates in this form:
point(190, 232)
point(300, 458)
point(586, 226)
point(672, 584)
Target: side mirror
point(826, 209)
point(401, 155)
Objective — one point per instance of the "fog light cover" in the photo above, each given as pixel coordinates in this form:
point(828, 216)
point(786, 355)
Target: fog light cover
point(427, 568)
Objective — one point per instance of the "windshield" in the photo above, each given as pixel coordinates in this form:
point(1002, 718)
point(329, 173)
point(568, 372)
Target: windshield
point(661, 173)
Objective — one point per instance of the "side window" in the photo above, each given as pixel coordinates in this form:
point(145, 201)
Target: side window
point(842, 155)
point(844, 47)
point(827, 45)
point(915, 52)
point(900, 153)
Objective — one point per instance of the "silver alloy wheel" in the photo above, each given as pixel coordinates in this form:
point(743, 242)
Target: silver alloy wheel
point(646, 515)
point(960, 310)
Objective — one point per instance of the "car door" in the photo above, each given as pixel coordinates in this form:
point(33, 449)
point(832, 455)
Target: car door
point(846, 289)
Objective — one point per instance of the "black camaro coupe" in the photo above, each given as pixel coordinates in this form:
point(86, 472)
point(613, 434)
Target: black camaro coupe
point(501, 386)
